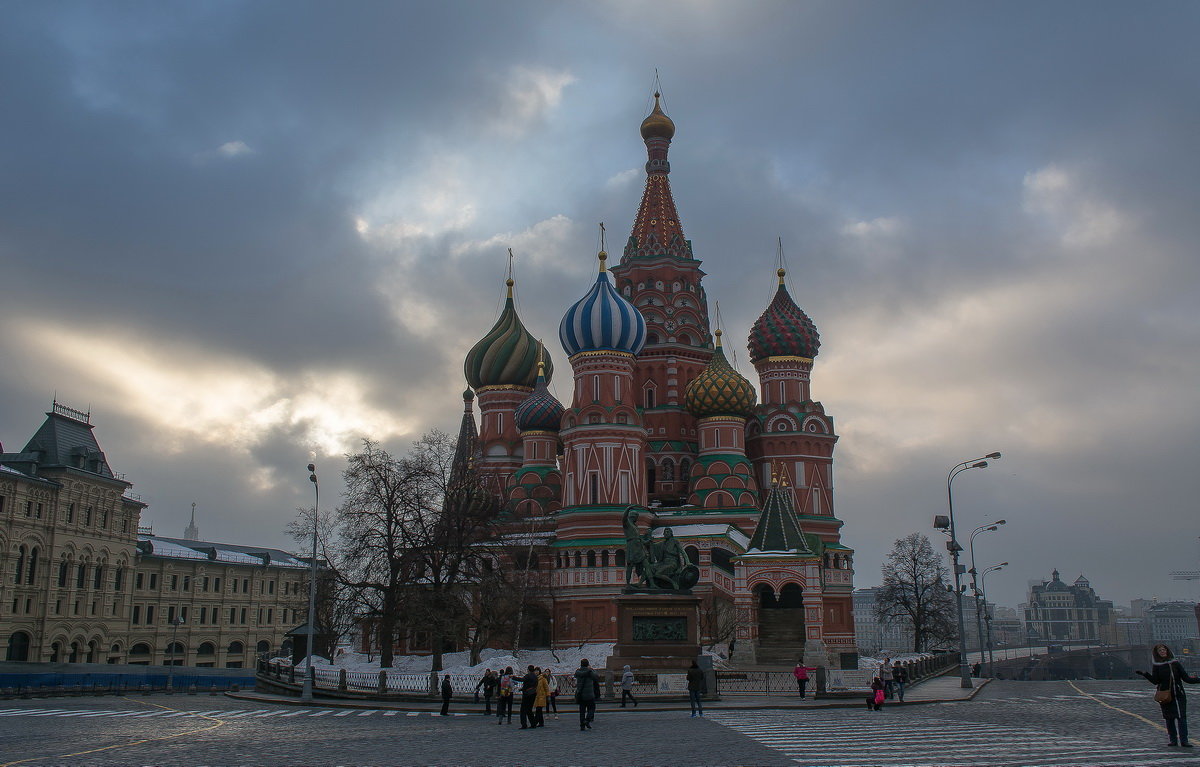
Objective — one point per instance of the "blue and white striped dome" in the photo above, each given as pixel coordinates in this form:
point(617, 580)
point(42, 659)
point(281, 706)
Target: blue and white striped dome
point(602, 320)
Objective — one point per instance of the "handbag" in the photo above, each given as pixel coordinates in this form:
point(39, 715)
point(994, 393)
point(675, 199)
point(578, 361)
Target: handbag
point(879, 697)
point(1166, 696)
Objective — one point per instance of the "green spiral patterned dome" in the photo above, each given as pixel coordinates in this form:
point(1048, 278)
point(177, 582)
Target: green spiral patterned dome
point(507, 355)
point(719, 389)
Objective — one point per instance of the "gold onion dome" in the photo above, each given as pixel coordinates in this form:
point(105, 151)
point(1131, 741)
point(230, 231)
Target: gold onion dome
point(657, 124)
point(719, 389)
point(507, 355)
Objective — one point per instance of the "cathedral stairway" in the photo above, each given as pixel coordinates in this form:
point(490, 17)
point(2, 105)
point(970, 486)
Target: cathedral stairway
point(780, 637)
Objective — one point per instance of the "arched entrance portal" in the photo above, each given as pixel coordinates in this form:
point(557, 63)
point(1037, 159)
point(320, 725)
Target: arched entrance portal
point(780, 625)
point(18, 646)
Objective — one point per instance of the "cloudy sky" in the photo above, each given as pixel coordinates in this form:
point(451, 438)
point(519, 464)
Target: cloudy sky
point(241, 233)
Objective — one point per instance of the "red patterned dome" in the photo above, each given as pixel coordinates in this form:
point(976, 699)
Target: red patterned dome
point(783, 330)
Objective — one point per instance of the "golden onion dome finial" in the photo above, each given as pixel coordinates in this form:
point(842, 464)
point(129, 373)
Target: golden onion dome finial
point(603, 257)
point(780, 272)
point(657, 124)
point(509, 283)
point(718, 333)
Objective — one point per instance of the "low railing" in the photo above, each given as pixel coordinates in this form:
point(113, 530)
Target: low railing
point(388, 682)
point(822, 682)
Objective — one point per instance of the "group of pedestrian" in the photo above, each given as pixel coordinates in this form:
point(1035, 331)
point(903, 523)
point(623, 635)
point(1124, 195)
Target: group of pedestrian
point(887, 684)
point(539, 692)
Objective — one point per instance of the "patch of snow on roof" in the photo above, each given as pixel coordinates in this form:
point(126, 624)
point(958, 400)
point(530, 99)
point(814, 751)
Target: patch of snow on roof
point(160, 548)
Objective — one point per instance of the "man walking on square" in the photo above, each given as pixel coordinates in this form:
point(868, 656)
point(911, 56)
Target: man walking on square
point(447, 692)
point(885, 676)
point(528, 696)
point(586, 683)
point(627, 682)
point(488, 683)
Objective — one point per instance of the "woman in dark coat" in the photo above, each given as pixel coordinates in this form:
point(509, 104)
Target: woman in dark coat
point(1168, 674)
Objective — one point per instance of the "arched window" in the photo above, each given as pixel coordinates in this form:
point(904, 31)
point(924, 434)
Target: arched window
point(620, 558)
point(578, 559)
point(33, 563)
point(80, 575)
point(604, 558)
point(18, 646)
point(668, 470)
point(263, 647)
point(693, 555)
point(20, 565)
point(206, 648)
point(236, 648)
point(141, 648)
point(98, 576)
point(63, 572)
point(591, 559)
point(55, 652)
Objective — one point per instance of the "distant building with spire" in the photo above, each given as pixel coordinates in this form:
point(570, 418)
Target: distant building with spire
point(191, 532)
point(659, 417)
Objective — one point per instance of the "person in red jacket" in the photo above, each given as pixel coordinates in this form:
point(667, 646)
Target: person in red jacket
point(801, 674)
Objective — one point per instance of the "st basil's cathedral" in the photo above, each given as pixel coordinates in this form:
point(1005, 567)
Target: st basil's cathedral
point(743, 478)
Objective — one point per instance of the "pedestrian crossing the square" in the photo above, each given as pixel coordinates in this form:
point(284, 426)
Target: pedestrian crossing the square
point(835, 739)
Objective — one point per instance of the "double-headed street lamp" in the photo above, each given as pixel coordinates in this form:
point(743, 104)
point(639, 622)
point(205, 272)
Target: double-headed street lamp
point(975, 582)
point(947, 524)
point(988, 618)
point(306, 692)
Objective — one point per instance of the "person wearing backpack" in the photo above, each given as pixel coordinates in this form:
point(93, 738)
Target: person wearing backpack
point(1168, 675)
point(586, 686)
point(505, 701)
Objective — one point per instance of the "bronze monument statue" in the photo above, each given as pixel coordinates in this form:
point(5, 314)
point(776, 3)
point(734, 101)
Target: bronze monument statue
point(660, 565)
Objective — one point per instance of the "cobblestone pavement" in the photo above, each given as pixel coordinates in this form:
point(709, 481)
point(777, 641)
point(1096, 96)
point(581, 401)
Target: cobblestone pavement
point(1030, 724)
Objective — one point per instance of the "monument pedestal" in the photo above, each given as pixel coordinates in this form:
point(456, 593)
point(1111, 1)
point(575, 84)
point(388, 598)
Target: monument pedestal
point(656, 632)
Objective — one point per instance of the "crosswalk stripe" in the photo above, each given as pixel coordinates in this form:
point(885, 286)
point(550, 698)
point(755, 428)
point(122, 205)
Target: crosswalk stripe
point(323, 713)
point(871, 740)
point(247, 713)
point(368, 713)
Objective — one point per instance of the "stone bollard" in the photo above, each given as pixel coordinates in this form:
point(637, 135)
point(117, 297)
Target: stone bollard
point(342, 679)
point(382, 681)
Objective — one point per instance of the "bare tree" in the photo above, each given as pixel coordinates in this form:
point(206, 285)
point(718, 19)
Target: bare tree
point(916, 590)
point(409, 539)
point(718, 620)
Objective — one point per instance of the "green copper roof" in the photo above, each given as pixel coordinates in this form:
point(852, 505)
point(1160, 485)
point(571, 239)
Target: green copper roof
point(778, 529)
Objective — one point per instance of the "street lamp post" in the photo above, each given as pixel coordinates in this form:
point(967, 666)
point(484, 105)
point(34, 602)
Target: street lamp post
point(947, 523)
point(176, 622)
point(975, 582)
point(306, 692)
point(983, 589)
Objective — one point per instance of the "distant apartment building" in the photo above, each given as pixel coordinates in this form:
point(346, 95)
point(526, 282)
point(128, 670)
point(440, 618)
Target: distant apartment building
point(1057, 612)
point(1173, 623)
point(81, 581)
point(873, 636)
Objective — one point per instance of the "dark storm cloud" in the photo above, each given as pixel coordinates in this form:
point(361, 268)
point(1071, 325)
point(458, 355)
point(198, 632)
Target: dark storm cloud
point(277, 227)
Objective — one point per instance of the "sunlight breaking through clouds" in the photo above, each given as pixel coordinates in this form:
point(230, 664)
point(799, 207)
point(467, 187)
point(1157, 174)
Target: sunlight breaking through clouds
point(188, 394)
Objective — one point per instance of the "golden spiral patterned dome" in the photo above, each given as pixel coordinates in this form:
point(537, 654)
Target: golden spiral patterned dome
point(719, 389)
point(657, 124)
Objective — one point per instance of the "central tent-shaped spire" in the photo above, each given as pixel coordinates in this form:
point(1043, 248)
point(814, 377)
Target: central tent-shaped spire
point(657, 230)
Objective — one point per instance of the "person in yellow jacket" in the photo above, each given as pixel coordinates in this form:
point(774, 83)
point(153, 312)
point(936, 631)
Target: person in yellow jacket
point(539, 701)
